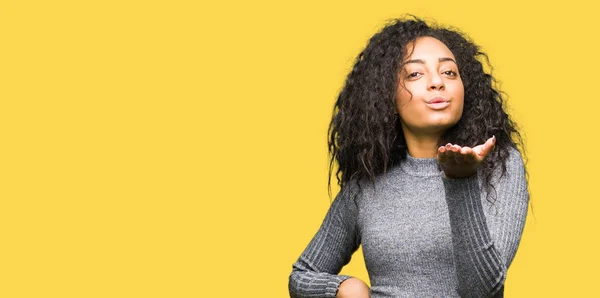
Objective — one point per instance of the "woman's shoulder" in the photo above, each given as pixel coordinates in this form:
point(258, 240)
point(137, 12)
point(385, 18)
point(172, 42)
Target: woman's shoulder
point(354, 191)
point(514, 160)
point(510, 167)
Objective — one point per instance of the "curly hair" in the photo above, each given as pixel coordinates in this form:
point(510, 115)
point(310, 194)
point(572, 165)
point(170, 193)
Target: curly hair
point(365, 135)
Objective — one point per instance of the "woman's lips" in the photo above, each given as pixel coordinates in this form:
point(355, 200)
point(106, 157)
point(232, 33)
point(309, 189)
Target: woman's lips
point(438, 103)
point(437, 99)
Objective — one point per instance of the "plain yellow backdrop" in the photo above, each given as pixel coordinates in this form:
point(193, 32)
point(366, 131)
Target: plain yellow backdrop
point(178, 148)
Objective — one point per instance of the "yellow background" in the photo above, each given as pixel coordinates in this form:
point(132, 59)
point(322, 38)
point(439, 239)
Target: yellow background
point(178, 148)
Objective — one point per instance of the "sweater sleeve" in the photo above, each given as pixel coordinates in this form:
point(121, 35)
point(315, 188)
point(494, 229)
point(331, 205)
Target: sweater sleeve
point(314, 274)
point(484, 246)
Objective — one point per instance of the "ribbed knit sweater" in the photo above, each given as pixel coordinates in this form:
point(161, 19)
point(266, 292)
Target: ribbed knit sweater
point(422, 234)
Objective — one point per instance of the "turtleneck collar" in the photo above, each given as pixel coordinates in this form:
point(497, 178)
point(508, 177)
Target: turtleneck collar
point(420, 166)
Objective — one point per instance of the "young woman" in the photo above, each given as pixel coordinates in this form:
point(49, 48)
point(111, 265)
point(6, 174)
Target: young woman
point(432, 184)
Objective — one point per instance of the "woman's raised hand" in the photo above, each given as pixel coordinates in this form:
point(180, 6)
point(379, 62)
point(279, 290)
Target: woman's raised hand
point(461, 162)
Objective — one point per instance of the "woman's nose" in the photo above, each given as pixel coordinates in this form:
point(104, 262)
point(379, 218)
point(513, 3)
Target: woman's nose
point(436, 83)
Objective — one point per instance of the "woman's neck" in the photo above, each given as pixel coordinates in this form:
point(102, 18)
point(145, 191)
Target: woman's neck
point(421, 145)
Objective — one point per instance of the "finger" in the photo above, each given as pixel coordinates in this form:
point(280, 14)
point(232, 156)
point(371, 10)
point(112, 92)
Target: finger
point(456, 156)
point(455, 149)
point(459, 157)
point(488, 146)
point(449, 152)
point(442, 154)
point(470, 155)
point(446, 157)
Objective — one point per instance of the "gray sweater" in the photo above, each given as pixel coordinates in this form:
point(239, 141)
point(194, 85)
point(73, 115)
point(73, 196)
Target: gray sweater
point(423, 235)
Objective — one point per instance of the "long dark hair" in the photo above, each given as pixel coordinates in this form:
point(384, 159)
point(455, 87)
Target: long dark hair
point(365, 136)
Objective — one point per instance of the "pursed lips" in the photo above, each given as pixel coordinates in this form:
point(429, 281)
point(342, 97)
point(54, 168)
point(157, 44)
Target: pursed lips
point(437, 99)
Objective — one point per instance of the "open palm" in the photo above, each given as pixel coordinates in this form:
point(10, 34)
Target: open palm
point(461, 162)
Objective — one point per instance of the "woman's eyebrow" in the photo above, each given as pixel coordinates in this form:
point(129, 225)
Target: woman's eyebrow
point(420, 61)
point(444, 59)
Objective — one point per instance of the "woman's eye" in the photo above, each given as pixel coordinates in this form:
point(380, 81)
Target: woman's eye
point(449, 73)
point(414, 74)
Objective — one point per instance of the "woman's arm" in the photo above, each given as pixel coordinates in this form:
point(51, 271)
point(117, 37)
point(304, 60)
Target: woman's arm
point(315, 272)
point(484, 246)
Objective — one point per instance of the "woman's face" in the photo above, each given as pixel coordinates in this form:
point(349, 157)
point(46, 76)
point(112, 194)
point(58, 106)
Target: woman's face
point(430, 92)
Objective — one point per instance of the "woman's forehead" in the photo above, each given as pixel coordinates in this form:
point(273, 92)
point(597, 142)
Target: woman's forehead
point(426, 48)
